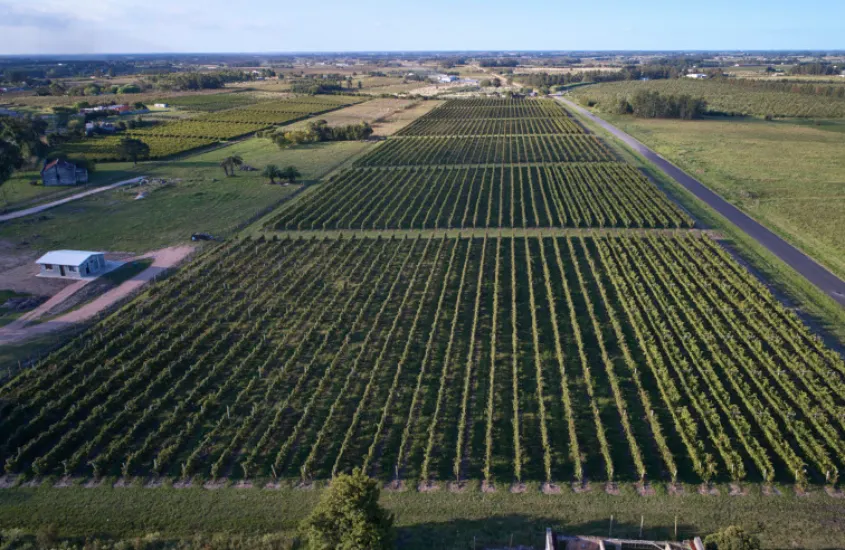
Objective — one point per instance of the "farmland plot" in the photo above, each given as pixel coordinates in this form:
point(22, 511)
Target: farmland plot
point(415, 151)
point(562, 195)
point(505, 359)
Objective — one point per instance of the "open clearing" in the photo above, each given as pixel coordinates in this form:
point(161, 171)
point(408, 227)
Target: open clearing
point(371, 111)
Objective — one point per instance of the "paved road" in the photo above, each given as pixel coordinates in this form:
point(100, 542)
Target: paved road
point(42, 207)
point(163, 259)
point(829, 283)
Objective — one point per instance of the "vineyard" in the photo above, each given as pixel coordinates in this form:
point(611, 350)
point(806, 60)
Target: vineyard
point(427, 356)
point(412, 151)
point(490, 126)
point(232, 121)
point(432, 358)
point(563, 195)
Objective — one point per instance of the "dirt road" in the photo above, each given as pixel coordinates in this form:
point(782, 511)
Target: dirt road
point(817, 274)
point(163, 259)
point(43, 207)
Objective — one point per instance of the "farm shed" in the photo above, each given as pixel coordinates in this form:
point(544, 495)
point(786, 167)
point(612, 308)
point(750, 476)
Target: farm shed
point(71, 264)
point(62, 172)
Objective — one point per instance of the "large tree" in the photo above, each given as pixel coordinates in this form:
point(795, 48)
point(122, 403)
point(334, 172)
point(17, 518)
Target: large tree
point(133, 149)
point(21, 142)
point(271, 172)
point(349, 517)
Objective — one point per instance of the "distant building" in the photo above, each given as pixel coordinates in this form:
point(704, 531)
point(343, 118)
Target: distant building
point(71, 264)
point(62, 172)
point(161, 105)
point(697, 75)
point(445, 78)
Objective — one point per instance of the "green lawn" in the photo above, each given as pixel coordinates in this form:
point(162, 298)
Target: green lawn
point(203, 201)
point(790, 176)
point(441, 519)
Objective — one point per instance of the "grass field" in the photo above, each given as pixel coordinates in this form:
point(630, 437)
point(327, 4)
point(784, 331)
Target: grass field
point(432, 520)
point(788, 175)
point(115, 221)
point(17, 192)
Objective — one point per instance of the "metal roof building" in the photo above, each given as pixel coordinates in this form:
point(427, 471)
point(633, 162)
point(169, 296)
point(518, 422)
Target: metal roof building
point(71, 264)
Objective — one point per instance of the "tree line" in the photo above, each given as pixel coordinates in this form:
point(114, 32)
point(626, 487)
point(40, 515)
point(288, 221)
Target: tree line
point(645, 104)
point(319, 131)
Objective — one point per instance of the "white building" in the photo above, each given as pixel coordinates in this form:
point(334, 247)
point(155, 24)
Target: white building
point(696, 75)
point(71, 264)
point(161, 105)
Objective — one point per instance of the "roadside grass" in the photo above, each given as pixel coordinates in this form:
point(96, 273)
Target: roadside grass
point(823, 313)
point(440, 519)
point(790, 176)
point(203, 200)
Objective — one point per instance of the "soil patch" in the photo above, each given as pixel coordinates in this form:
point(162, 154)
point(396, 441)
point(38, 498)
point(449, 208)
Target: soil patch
point(183, 484)
point(834, 492)
point(396, 486)
point(243, 484)
point(737, 490)
point(8, 481)
point(215, 484)
point(771, 491)
point(705, 489)
point(645, 490)
point(428, 487)
point(581, 486)
point(676, 489)
point(457, 486)
point(611, 488)
point(518, 488)
point(488, 487)
point(550, 489)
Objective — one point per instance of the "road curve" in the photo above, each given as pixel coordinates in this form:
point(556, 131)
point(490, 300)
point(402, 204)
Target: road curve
point(42, 207)
point(814, 272)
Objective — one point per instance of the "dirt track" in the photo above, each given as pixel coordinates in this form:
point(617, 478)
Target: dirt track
point(163, 259)
point(817, 274)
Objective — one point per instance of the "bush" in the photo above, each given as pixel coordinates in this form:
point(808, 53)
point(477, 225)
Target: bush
point(349, 517)
point(732, 538)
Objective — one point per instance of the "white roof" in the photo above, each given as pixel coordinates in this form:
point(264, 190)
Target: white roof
point(66, 257)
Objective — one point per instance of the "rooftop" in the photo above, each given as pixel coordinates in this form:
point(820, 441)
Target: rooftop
point(66, 257)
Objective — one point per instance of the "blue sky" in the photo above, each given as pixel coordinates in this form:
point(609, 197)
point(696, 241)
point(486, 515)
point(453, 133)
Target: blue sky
point(125, 26)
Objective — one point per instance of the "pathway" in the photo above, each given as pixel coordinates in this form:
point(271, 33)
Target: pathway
point(814, 272)
point(43, 207)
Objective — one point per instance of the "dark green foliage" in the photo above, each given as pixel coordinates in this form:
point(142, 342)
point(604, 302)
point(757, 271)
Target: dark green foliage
point(732, 538)
point(349, 517)
point(133, 150)
point(320, 131)
point(646, 104)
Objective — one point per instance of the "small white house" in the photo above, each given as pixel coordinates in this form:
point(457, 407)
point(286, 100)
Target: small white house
point(697, 75)
point(71, 264)
point(161, 105)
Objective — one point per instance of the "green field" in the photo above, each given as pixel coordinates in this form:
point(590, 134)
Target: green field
point(114, 220)
point(788, 175)
point(441, 519)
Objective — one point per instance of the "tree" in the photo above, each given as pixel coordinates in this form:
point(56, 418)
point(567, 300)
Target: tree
point(133, 149)
point(349, 517)
point(21, 141)
point(732, 538)
point(290, 173)
point(230, 163)
point(271, 172)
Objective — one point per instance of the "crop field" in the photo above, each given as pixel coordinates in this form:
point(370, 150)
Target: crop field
point(431, 358)
point(174, 137)
point(563, 195)
point(487, 150)
point(491, 126)
point(726, 97)
point(212, 102)
point(480, 108)
point(105, 148)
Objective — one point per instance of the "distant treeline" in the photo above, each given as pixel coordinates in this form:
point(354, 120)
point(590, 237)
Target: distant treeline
point(202, 81)
point(819, 69)
point(645, 104)
point(825, 89)
point(498, 62)
point(633, 72)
